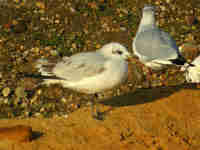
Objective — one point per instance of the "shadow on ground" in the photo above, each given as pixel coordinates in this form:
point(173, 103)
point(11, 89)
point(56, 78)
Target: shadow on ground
point(141, 96)
point(36, 135)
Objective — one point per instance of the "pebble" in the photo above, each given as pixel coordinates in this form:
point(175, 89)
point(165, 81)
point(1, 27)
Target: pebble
point(42, 109)
point(20, 92)
point(189, 37)
point(6, 91)
point(168, 1)
point(39, 92)
point(37, 114)
point(65, 116)
point(40, 5)
point(163, 8)
point(6, 101)
point(54, 53)
point(18, 133)
point(63, 100)
point(57, 21)
point(16, 1)
point(189, 50)
point(190, 20)
point(15, 22)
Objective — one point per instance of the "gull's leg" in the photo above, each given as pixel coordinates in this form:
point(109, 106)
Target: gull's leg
point(149, 74)
point(96, 114)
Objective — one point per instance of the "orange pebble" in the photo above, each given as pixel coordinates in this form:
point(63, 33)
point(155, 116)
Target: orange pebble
point(18, 133)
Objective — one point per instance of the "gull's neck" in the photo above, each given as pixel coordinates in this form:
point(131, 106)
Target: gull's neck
point(147, 21)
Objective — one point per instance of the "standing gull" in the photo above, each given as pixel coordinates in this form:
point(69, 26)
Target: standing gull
point(89, 72)
point(154, 47)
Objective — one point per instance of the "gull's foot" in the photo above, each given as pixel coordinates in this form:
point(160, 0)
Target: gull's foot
point(99, 116)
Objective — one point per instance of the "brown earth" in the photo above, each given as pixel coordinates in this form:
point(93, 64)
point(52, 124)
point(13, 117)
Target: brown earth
point(157, 119)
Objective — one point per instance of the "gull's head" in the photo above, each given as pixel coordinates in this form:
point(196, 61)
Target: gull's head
point(115, 50)
point(149, 9)
point(148, 15)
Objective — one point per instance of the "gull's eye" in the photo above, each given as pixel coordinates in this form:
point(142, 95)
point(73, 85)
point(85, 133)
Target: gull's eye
point(119, 52)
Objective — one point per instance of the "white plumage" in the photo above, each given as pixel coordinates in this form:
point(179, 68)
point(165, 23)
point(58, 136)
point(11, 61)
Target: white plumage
point(192, 73)
point(89, 72)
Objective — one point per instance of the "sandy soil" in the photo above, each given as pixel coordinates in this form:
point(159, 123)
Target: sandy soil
point(157, 119)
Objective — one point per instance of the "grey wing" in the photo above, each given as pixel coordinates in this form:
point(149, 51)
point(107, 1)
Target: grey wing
point(155, 44)
point(169, 40)
point(80, 66)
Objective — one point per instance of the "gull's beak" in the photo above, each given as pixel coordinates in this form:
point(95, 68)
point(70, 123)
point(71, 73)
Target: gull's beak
point(131, 58)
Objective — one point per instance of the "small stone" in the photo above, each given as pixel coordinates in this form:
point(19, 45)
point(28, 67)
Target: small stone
point(57, 21)
point(189, 50)
point(54, 53)
point(27, 113)
point(163, 8)
point(198, 18)
point(42, 19)
point(36, 49)
point(40, 5)
point(194, 27)
point(19, 133)
point(5, 101)
point(65, 116)
point(189, 37)
point(63, 100)
point(41, 11)
point(74, 45)
point(15, 22)
point(29, 83)
point(98, 46)
point(20, 92)
point(122, 28)
point(190, 20)
point(72, 9)
point(157, 2)
point(42, 109)
point(6, 91)
point(37, 114)
point(57, 16)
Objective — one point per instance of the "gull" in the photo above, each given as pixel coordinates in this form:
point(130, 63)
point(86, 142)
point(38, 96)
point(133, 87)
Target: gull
point(89, 72)
point(155, 48)
point(192, 73)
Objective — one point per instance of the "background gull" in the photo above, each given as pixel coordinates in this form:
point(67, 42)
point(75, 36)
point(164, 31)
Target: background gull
point(154, 47)
point(89, 72)
point(192, 73)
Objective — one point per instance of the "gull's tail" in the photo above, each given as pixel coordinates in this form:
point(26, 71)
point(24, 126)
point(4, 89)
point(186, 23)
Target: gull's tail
point(45, 67)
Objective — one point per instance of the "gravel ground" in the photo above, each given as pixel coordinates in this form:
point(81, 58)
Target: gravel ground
point(51, 29)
